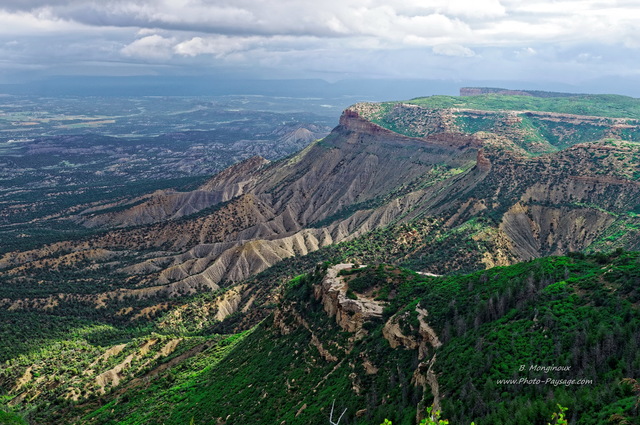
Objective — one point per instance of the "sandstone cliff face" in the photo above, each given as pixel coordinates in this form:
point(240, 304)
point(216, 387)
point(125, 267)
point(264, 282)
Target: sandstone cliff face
point(425, 340)
point(420, 339)
point(350, 313)
point(357, 163)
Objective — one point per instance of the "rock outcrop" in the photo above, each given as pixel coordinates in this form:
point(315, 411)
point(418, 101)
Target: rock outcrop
point(350, 313)
point(420, 339)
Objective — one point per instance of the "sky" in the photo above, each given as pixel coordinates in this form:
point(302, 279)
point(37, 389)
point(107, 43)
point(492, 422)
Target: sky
point(555, 41)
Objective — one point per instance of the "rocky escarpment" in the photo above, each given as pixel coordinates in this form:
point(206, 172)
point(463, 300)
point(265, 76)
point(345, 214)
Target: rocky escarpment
point(350, 312)
point(526, 129)
point(425, 340)
point(425, 335)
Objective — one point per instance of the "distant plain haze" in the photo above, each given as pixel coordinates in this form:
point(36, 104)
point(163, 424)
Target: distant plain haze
point(571, 45)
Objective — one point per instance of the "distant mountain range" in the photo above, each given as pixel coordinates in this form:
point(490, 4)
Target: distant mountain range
point(374, 89)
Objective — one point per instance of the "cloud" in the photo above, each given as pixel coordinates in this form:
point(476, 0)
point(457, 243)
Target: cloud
point(42, 22)
point(588, 57)
point(453, 50)
point(390, 22)
point(471, 9)
point(153, 47)
point(218, 46)
point(525, 52)
point(303, 35)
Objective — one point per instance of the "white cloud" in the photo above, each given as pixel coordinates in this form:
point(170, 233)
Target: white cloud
point(43, 22)
point(476, 9)
point(218, 46)
point(154, 47)
point(146, 31)
point(390, 22)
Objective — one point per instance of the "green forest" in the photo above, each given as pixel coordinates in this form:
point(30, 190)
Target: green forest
point(569, 323)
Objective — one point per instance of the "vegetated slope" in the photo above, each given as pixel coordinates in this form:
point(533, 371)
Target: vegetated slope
point(11, 419)
point(439, 181)
point(532, 124)
point(500, 346)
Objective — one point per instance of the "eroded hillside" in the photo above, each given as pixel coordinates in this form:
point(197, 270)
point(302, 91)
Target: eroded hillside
point(491, 180)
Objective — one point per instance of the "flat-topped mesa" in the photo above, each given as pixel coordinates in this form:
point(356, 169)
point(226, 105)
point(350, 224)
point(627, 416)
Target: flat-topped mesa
point(352, 120)
point(478, 91)
point(357, 118)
